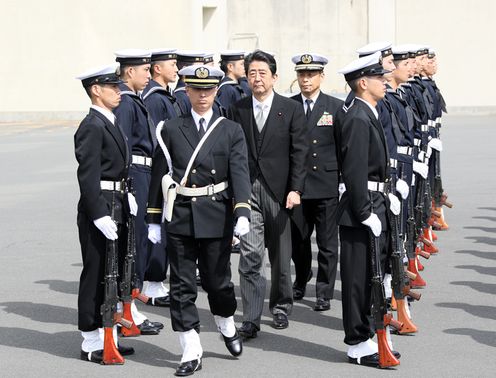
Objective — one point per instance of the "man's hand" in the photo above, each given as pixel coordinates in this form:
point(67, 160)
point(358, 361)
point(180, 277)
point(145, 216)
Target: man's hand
point(154, 233)
point(373, 222)
point(133, 205)
point(107, 226)
point(293, 200)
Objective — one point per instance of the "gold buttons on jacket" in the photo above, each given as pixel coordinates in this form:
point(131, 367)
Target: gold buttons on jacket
point(193, 171)
point(315, 141)
point(212, 171)
point(193, 199)
point(193, 186)
point(314, 167)
point(213, 198)
point(314, 154)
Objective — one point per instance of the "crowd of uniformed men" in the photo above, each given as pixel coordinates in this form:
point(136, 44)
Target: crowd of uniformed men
point(224, 162)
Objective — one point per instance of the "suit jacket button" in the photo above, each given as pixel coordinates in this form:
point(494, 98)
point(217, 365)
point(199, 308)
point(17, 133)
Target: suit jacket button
point(193, 186)
point(193, 199)
point(212, 171)
point(314, 141)
point(193, 171)
point(314, 154)
point(314, 168)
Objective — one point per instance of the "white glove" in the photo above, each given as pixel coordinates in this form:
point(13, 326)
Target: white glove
point(374, 224)
point(436, 144)
point(107, 226)
point(242, 226)
point(402, 188)
point(341, 189)
point(133, 205)
point(394, 204)
point(154, 233)
point(421, 168)
point(421, 156)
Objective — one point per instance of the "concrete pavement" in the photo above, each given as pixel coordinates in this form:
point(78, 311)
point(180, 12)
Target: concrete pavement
point(40, 265)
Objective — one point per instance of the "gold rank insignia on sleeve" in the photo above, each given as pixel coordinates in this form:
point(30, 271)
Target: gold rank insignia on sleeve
point(153, 210)
point(242, 204)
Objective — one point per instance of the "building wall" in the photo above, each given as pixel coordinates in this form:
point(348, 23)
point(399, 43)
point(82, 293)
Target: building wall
point(47, 43)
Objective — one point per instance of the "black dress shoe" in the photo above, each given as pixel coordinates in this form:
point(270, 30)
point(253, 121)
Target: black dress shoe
point(188, 368)
point(322, 304)
point(159, 301)
point(147, 328)
point(97, 355)
point(234, 344)
point(299, 290)
point(370, 360)
point(280, 320)
point(248, 330)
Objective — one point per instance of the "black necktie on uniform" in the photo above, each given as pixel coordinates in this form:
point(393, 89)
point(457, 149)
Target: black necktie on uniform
point(201, 129)
point(309, 108)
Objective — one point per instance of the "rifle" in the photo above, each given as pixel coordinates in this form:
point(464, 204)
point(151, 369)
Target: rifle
point(400, 279)
point(379, 307)
point(440, 198)
point(129, 283)
point(108, 310)
point(411, 244)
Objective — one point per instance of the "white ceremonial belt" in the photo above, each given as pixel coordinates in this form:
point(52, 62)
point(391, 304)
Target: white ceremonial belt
point(376, 186)
point(417, 142)
point(424, 128)
point(393, 163)
point(431, 123)
point(438, 120)
point(112, 185)
point(203, 191)
point(142, 160)
point(404, 150)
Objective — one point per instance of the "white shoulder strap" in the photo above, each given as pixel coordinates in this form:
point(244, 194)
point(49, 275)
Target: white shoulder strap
point(160, 141)
point(195, 153)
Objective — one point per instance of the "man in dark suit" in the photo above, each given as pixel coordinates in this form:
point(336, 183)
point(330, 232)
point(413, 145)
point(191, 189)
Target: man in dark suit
point(211, 196)
point(320, 194)
point(103, 159)
point(274, 128)
point(364, 164)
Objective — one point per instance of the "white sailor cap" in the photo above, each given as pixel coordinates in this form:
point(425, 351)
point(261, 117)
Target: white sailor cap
point(231, 55)
point(163, 54)
point(432, 53)
point(133, 57)
point(190, 56)
point(309, 62)
point(383, 46)
point(422, 50)
point(401, 52)
point(208, 57)
point(370, 65)
point(201, 76)
point(100, 75)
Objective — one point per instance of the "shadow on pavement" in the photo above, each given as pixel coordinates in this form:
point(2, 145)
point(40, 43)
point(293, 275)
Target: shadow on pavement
point(486, 229)
point(493, 219)
point(482, 337)
point(479, 286)
point(66, 287)
point(42, 312)
point(482, 240)
point(490, 271)
point(485, 312)
point(481, 254)
point(487, 208)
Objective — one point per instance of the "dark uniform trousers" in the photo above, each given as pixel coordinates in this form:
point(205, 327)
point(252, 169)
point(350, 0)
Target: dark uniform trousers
point(319, 200)
point(201, 227)
point(363, 156)
point(277, 165)
point(102, 155)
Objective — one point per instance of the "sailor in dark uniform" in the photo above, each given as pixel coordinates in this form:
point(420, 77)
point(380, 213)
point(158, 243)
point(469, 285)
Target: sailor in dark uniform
point(230, 90)
point(200, 226)
point(364, 165)
point(162, 106)
point(320, 194)
point(138, 127)
point(103, 159)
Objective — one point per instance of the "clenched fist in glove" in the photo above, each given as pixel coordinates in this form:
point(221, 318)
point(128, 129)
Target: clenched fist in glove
point(402, 188)
point(374, 223)
point(107, 226)
point(154, 233)
point(394, 204)
point(242, 226)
